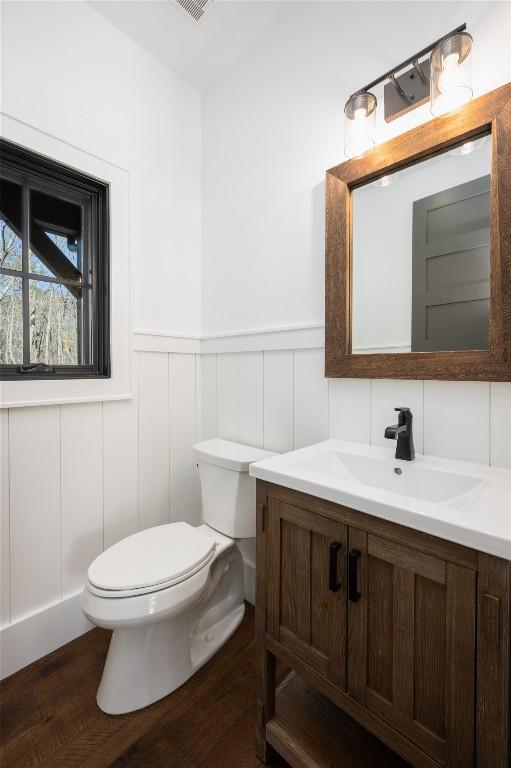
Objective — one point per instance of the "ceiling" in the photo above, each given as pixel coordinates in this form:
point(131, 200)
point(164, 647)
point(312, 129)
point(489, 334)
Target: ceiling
point(200, 52)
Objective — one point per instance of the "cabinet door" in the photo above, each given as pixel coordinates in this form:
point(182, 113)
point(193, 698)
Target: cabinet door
point(411, 645)
point(306, 588)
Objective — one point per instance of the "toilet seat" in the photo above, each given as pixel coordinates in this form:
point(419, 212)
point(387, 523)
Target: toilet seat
point(150, 561)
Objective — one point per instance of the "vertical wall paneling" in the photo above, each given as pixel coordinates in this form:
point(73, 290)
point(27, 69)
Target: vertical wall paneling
point(198, 400)
point(120, 467)
point(350, 409)
point(81, 434)
point(457, 419)
point(228, 396)
point(78, 478)
point(278, 400)
point(34, 481)
point(5, 577)
point(208, 396)
point(388, 394)
point(184, 480)
point(500, 424)
point(153, 421)
point(251, 399)
point(310, 397)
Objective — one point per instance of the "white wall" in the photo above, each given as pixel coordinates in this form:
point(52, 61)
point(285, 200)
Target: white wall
point(280, 400)
point(76, 478)
point(271, 126)
point(70, 73)
point(274, 123)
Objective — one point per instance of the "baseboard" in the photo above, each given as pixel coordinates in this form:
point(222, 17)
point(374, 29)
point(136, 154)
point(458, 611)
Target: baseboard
point(247, 547)
point(249, 582)
point(33, 637)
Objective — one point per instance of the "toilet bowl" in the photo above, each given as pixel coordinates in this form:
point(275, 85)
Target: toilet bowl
point(173, 594)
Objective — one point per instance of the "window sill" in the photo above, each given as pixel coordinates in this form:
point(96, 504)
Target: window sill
point(62, 401)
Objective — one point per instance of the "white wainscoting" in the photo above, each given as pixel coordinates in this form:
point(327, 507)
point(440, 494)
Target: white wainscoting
point(280, 400)
point(77, 478)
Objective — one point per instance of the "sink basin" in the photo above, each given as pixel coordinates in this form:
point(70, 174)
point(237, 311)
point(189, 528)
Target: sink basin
point(466, 503)
point(400, 477)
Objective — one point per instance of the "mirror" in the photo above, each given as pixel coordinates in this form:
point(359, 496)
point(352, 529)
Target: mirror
point(420, 255)
point(418, 271)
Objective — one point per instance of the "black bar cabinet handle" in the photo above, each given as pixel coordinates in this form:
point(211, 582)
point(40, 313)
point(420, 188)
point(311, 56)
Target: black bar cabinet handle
point(353, 593)
point(333, 584)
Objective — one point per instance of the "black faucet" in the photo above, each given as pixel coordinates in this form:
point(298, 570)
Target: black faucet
point(403, 433)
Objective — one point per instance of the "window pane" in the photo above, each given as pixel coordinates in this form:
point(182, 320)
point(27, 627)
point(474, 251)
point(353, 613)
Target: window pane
point(55, 236)
point(10, 225)
point(68, 244)
point(37, 266)
point(11, 320)
point(54, 324)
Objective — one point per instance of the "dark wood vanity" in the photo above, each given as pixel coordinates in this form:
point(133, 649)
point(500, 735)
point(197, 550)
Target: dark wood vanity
point(406, 634)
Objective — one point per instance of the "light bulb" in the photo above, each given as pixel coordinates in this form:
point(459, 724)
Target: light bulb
point(447, 79)
point(359, 124)
point(450, 81)
point(451, 60)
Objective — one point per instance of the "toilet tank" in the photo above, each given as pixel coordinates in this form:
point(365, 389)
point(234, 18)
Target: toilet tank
point(228, 492)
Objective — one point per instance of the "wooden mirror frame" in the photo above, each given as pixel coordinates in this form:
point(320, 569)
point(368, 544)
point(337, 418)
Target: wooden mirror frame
point(491, 112)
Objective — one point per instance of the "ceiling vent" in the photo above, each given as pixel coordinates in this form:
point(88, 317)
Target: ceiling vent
point(195, 9)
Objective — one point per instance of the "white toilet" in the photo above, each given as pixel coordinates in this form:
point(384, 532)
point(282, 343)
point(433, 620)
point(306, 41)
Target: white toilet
point(174, 594)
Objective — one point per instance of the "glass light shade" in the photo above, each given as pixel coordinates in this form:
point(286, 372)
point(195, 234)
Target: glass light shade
point(359, 124)
point(451, 74)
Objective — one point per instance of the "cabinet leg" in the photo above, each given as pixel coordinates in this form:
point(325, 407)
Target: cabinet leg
point(265, 704)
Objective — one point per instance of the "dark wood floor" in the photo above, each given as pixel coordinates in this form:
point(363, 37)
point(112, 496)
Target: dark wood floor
point(49, 717)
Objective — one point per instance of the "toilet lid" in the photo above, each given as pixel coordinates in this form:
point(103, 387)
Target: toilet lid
point(154, 556)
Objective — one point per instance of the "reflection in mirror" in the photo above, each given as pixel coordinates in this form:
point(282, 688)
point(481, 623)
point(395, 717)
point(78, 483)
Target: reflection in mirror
point(421, 255)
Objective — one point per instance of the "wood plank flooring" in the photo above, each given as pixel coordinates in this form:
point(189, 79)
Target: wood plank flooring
point(49, 717)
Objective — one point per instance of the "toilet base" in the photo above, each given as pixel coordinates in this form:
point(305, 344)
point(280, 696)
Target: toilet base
point(147, 662)
point(126, 689)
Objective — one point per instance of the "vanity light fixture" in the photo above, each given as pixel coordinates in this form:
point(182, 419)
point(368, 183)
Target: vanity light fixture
point(439, 73)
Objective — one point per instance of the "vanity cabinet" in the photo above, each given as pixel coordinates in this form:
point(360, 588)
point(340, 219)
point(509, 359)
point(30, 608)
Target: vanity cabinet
point(408, 634)
point(307, 602)
point(412, 645)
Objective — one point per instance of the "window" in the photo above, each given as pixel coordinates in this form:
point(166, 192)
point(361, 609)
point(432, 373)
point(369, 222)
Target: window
point(54, 270)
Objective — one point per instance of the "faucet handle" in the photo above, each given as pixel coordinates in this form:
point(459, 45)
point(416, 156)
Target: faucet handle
point(405, 416)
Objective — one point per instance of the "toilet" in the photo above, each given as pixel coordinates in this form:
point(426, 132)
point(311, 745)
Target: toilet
point(173, 594)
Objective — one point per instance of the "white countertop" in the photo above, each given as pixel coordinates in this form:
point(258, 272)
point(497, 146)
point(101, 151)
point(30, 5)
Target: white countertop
point(479, 517)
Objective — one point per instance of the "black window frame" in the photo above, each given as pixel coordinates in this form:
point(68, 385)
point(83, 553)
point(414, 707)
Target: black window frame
point(44, 174)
